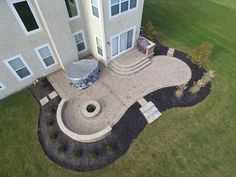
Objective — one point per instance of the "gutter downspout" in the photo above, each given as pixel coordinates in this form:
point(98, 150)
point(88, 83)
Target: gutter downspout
point(49, 34)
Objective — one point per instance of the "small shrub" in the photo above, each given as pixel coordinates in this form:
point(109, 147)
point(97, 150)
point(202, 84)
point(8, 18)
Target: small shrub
point(53, 136)
point(78, 154)
point(49, 122)
point(206, 78)
point(51, 110)
point(61, 149)
point(94, 155)
point(109, 148)
point(201, 54)
point(150, 31)
point(180, 90)
point(40, 82)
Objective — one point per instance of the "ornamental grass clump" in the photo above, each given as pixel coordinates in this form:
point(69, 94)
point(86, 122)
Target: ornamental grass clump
point(180, 90)
point(206, 78)
point(201, 54)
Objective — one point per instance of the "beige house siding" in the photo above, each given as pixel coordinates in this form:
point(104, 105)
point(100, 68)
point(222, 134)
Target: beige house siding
point(119, 23)
point(58, 31)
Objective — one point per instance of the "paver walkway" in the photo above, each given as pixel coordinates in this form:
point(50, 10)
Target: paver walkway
point(117, 93)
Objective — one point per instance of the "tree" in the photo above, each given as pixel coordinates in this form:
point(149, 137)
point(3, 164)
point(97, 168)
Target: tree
point(202, 53)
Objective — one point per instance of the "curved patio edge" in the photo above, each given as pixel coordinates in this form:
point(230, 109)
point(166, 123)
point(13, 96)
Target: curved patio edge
point(75, 136)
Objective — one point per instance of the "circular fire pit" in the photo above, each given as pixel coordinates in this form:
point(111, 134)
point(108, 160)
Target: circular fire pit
point(91, 108)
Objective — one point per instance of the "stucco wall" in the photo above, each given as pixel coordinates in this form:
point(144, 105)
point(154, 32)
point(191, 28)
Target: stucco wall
point(14, 41)
point(95, 27)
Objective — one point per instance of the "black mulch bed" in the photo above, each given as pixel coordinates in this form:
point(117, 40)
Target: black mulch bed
point(160, 49)
point(91, 156)
point(84, 156)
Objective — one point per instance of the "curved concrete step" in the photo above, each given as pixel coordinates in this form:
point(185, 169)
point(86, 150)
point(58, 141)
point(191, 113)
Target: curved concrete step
point(132, 64)
point(119, 67)
point(128, 72)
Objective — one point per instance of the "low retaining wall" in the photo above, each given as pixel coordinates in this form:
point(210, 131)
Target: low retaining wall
point(75, 136)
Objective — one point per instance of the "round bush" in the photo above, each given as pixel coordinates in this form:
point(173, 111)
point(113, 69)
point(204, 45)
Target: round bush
point(49, 122)
point(109, 148)
point(94, 155)
point(78, 154)
point(61, 149)
point(53, 135)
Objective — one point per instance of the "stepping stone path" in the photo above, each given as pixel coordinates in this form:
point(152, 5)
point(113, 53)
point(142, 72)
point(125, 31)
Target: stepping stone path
point(44, 101)
point(149, 110)
point(53, 95)
point(170, 52)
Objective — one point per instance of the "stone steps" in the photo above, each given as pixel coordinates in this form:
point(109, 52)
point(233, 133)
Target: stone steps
point(170, 52)
point(127, 69)
point(150, 112)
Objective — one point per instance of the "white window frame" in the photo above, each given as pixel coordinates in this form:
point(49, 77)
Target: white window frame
point(122, 13)
point(20, 22)
point(78, 11)
point(3, 86)
point(98, 5)
point(14, 72)
point(42, 59)
point(85, 44)
point(118, 35)
point(97, 46)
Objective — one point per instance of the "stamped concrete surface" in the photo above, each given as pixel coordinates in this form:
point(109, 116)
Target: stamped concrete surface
point(116, 93)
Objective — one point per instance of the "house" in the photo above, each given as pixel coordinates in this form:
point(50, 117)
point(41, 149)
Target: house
point(39, 37)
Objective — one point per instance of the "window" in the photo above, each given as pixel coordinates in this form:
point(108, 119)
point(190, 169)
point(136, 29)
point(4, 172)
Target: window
point(99, 46)
point(133, 4)
point(25, 15)
point(95, 11)
point(18, 67)
point(80, 42)
point(46, 56)
point(2, 86)
point(121, 6)
point(122, 42)
point(72, 8)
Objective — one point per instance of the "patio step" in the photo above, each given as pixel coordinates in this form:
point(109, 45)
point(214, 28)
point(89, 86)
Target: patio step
point(150, 112)
point(170, 52)
point(127, 69)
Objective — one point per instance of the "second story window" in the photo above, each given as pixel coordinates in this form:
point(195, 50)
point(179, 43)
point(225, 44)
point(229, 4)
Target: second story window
point(72, 8)
point(25, 15)
point(18, 67)
point(46, 56)
point(95, 10)
point(80, 42)
point(99, 46)
point(121, 6)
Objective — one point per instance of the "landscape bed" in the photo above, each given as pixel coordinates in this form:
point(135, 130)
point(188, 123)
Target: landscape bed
point(91, 156)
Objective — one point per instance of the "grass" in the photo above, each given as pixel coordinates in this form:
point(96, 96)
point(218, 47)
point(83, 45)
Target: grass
point(191, 142)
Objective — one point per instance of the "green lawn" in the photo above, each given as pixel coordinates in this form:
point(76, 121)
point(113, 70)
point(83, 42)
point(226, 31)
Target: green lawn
point(198, 141)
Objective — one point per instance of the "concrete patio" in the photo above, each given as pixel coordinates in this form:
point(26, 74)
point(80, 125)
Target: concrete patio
point(117, 93)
